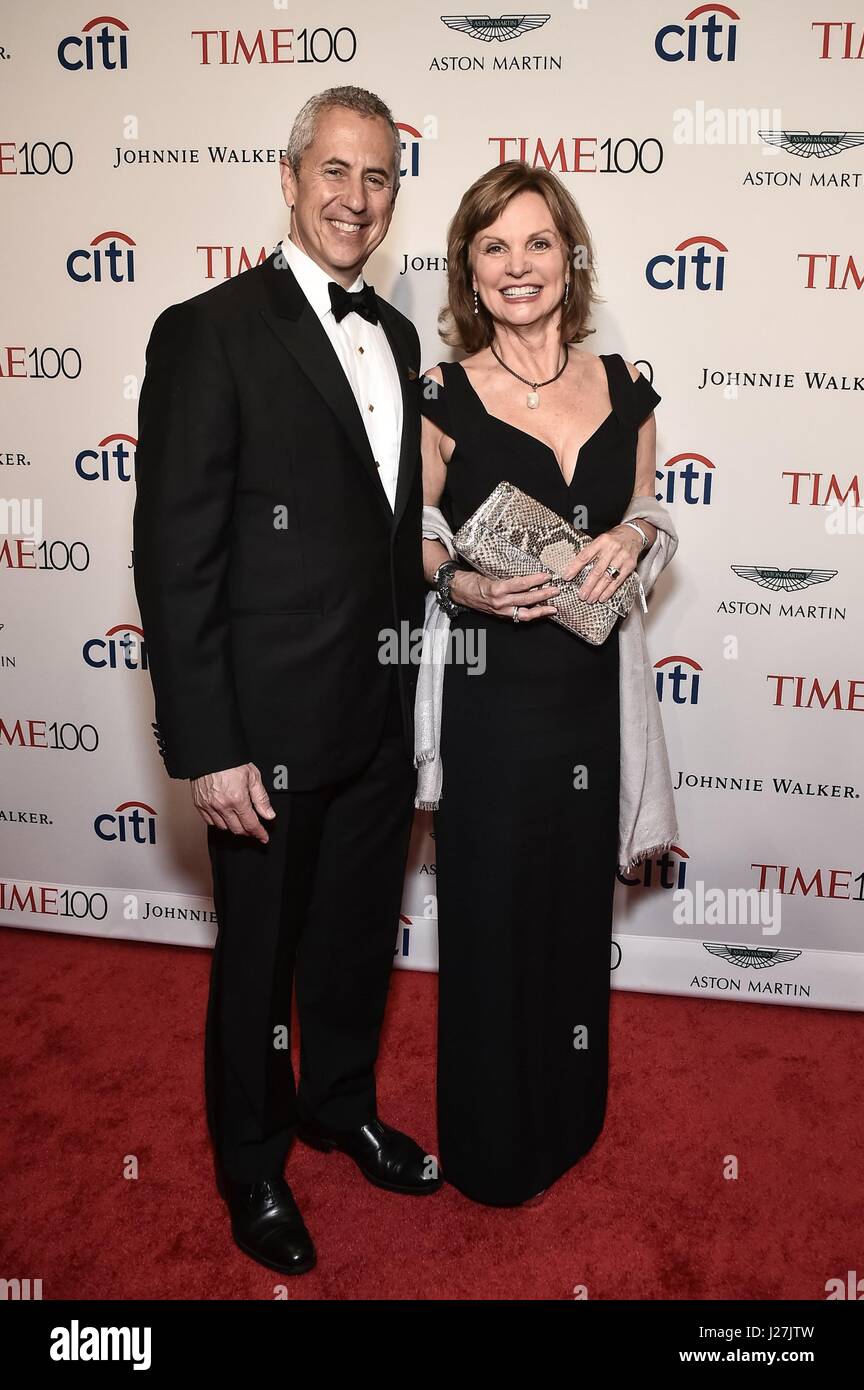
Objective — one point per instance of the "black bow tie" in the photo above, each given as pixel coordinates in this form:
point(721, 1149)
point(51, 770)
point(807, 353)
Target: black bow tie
point(362, 302)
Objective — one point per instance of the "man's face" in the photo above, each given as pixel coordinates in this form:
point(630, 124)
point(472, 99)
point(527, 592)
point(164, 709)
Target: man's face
point(343, 195)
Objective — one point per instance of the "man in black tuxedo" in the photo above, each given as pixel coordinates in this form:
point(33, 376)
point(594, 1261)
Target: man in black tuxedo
point(277, 538)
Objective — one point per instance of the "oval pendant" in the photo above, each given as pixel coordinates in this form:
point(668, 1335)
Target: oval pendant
point(533, 400)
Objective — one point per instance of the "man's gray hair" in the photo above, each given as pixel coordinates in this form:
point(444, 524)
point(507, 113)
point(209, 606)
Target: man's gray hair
point(352, 99)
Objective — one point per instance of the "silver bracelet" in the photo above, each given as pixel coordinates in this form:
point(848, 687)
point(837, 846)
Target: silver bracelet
point(442, 579)
point(637, 527)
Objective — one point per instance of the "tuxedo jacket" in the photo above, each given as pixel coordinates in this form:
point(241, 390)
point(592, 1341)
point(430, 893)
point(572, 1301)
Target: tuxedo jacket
point(267, 558)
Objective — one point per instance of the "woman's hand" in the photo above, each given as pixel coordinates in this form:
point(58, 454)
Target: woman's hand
point(620, 548)
point(499, 597)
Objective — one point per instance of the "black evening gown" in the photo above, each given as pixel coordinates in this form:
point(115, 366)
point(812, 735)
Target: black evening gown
point(526, 844)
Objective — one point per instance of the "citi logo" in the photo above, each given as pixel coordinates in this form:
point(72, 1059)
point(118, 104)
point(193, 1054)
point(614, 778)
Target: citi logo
point(665, 869)
point(805, 692)
point(99, 262)
point(678, 679)
point(715, 38)
point(109, 460)
point(132, 823)
point(403, 936)
point(94, 48)
point(685, 478)
point(702, 269)
point(411, 147)
point(112, 652)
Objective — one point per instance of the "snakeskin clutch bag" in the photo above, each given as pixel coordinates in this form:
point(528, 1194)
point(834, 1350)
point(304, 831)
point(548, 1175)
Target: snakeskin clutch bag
point(512, 533)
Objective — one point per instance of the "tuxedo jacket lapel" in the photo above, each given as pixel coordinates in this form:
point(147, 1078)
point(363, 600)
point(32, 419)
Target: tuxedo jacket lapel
point(409, 445)
point(299, 329)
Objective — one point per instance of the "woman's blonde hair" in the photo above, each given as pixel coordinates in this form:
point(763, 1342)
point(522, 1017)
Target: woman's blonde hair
point(481, 204)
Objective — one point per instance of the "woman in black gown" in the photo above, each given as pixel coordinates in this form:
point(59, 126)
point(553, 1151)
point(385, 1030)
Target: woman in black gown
point(526, 831)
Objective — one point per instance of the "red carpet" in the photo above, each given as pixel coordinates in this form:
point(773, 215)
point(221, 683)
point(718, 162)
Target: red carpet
point(101, 1057)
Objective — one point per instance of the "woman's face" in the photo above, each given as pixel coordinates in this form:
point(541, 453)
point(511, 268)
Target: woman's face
point(518, 262)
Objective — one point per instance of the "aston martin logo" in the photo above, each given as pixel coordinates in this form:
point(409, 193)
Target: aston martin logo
point(805, 144)
point(750, 957)
point(769, 577)
point(485, 28)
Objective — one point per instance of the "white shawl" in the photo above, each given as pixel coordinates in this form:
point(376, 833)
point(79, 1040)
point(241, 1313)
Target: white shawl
point(646, 815)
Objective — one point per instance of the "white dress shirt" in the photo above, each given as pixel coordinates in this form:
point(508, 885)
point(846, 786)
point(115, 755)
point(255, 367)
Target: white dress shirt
point(367, 360)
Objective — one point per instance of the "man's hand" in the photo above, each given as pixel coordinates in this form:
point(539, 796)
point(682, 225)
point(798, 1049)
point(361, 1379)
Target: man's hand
point(233, 800)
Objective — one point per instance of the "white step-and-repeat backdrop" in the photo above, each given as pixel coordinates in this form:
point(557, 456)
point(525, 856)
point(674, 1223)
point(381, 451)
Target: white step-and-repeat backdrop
point(718, 156)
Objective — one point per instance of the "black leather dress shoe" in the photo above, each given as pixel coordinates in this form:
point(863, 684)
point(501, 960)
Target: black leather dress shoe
point(385, 1156)
point(266, 1224)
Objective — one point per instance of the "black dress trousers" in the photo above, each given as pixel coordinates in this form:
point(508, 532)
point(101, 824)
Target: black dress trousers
point(318, 907)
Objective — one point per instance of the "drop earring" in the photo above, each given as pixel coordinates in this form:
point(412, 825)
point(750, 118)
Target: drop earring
point(476, 306)
point(567, 289)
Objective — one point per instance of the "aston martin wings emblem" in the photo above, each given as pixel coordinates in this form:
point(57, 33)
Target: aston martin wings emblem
point(484, 27)
point(806, 144)
point(750, 957)
point(769, 577)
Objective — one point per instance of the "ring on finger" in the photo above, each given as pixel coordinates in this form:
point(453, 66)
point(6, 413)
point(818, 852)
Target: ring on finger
point(516, 617)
